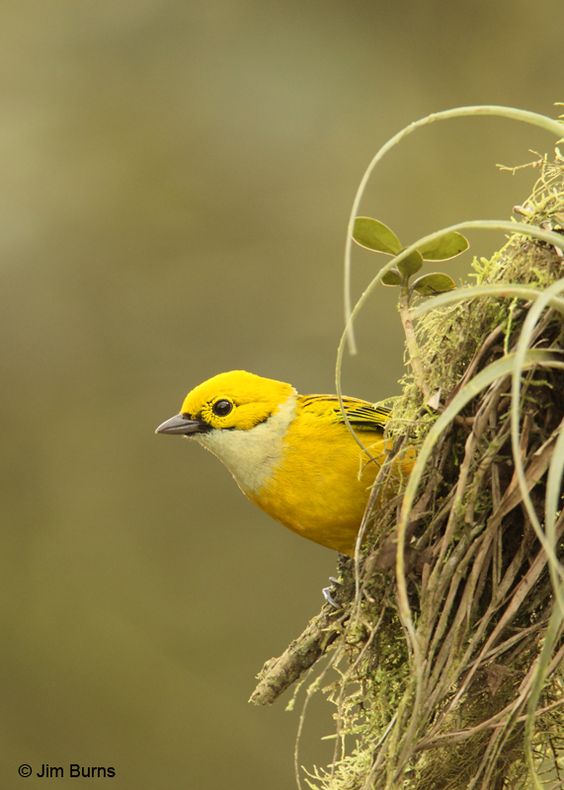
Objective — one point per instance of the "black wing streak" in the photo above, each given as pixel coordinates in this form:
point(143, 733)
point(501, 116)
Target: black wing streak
point(362, 416)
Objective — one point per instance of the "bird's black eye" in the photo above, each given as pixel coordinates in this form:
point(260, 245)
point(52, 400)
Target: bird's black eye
point(221, 408)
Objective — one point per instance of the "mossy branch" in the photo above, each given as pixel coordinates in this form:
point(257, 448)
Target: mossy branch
point(280, 673)
point(320, 633)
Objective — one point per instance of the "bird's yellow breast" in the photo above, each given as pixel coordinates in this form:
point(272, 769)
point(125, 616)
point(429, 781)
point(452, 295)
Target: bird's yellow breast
point(321, 484)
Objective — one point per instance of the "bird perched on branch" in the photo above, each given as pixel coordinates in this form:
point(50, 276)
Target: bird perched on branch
point(293, 455)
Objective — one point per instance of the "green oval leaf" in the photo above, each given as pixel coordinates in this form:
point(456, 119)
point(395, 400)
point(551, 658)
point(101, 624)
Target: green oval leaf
point(411, 264)
point(374, 235)
point(448, 246)
point(392, 277)
point(433, 283)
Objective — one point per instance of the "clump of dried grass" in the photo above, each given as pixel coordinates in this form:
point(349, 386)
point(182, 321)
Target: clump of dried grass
point(447, 647)
point(471, 699)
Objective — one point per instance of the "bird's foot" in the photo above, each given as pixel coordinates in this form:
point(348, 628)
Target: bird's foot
point(329, 591)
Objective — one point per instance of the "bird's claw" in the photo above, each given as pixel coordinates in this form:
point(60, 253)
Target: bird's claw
point(328, 592)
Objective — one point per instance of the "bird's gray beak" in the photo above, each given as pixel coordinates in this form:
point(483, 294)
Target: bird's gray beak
point(182, 425)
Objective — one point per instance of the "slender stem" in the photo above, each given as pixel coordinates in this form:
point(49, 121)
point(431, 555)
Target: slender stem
point(411, 340)
point(550, 125)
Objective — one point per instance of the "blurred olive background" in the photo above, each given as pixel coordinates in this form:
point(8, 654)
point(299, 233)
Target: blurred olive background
point(176, 182)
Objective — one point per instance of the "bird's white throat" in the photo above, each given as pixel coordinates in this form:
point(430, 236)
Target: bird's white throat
point(252, 455)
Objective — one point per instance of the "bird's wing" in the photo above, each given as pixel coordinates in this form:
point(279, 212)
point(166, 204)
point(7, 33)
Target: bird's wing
point(362, 415)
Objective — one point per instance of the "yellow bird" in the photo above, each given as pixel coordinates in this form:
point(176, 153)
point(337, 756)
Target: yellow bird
point(293, 455)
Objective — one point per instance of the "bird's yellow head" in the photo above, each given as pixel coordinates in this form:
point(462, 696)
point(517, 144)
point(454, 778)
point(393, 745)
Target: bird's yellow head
point(242, 419)
point(236, 400)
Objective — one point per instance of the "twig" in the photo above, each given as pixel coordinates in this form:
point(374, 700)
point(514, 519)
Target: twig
point(278, 674)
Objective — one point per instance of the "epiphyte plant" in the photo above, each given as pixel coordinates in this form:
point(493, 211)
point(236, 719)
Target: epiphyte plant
point(374, 235)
